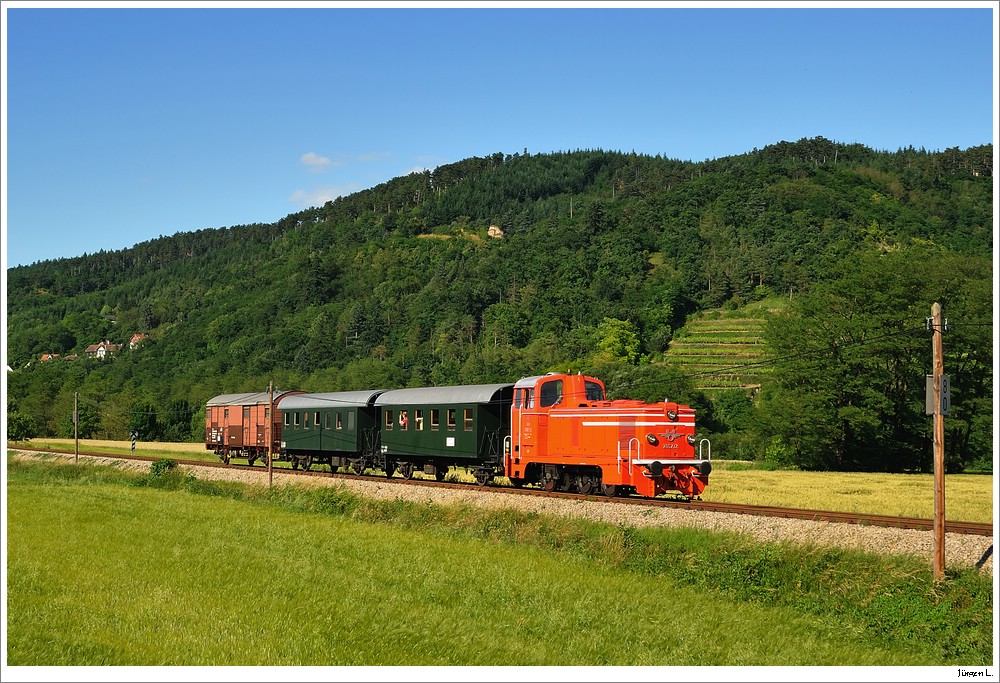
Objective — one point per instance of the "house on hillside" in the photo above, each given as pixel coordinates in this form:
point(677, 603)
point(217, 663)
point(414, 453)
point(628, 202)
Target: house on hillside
point(47, 356)
point(136, 338)
point(102, 349)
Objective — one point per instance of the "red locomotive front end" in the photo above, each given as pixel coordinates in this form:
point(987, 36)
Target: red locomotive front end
point(566, 436)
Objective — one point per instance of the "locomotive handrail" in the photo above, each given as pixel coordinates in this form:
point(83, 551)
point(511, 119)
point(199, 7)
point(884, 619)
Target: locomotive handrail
point(700, 443)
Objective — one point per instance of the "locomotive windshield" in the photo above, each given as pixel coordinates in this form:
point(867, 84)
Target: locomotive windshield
point(594, 391)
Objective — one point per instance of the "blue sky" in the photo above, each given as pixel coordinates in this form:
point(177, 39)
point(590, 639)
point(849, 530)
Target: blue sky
point(124, 123)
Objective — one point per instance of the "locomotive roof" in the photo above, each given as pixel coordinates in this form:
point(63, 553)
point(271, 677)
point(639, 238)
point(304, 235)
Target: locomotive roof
point(255, 398)
point(334, 399)
point(469, 393)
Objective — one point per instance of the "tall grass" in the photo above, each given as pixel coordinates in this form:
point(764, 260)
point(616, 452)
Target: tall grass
point(107, 567)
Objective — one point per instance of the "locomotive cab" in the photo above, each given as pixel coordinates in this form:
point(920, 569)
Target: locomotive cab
point(566, 435)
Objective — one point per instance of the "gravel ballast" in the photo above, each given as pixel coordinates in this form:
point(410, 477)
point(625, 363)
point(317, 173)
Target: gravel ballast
point(960, 549)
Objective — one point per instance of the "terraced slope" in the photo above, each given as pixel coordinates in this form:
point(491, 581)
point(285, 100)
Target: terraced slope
point(723, 349)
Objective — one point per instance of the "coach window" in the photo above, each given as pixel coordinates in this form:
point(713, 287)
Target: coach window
point(296, 420)
point(225, 413)
point(467, 419)
point(451, 419)
point(305, 420)
point(326, 420)
point(435, 419)
point(288, 419)
point(388, 420)
point(267, 413)
point(551, 393)
point(246, 412)
point(350, 420)
point(340, 421)
point(418, 417)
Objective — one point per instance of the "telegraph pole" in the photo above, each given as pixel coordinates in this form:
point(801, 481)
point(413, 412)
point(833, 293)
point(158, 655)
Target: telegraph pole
point(940, 404)
point(76, 426)
point(270, 434)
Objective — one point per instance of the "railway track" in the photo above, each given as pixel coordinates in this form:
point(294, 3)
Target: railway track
point(915, 523)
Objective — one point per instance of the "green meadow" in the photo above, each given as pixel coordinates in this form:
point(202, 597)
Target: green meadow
point(107, 567)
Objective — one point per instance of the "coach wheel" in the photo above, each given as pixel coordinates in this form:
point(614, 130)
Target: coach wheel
point(251, 459)
point(483, 477)
point(225, 458)
point(440, 473)
point(307, 462)
point(406, 470)
point(610, 490)
point(357, 466)
point(295, 463)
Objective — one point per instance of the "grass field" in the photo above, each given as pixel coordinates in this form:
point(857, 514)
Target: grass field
point(107, 567)
point(968, 497)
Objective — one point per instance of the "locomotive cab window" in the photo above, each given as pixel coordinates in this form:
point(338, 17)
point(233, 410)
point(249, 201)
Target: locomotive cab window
point(594, 391)
point(517, 398)
point(551, 393)
point(467, 419)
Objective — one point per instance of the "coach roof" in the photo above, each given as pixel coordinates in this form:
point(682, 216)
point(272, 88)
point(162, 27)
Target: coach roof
point(470, 393)
point(251, 399)
point(332, 400)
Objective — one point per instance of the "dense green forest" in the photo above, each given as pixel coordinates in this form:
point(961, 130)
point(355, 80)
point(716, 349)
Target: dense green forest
point(602, 259)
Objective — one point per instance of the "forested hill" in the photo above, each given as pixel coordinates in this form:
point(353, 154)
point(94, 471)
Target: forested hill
point(603, 255)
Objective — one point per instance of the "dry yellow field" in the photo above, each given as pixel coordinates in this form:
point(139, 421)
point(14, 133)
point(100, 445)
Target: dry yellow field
point(968, 497)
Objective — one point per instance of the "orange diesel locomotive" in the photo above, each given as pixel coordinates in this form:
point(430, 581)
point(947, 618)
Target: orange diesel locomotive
point(566, 436)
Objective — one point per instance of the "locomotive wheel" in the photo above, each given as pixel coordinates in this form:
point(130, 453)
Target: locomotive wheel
point(406, 469)
point(585, 483)
point(610, 490)
point(565, 482)
point(549, 485)
point(440, 473)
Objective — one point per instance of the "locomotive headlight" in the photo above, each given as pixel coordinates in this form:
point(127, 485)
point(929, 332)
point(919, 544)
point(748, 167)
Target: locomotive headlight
point(651, 438)
point(691, 438)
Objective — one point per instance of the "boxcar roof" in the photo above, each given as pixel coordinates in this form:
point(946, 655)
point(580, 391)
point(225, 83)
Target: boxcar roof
point(250, 399)
point(469, 393)
point(335, 399)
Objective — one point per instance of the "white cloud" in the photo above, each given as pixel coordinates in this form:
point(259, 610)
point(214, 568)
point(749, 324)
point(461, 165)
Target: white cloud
point(321, 195)
point(315, 161)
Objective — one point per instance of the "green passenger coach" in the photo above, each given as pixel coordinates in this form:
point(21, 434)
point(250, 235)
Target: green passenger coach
point(434, 427)
point(335, 429)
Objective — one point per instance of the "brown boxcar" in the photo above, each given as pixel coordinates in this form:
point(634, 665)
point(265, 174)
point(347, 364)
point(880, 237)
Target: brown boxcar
point(236, 425)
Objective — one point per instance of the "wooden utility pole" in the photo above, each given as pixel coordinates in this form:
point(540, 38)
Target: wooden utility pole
point(270, 434)
point(76, 426)
point(937, 346)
